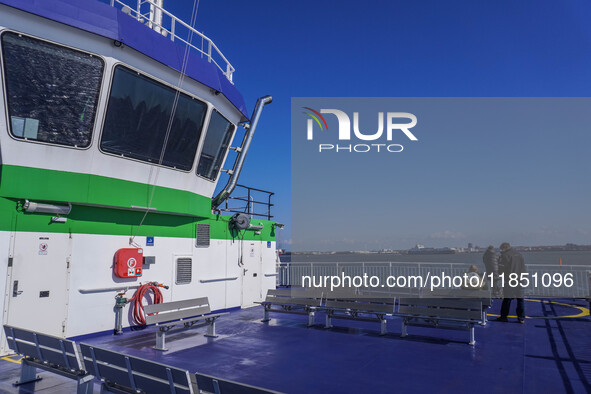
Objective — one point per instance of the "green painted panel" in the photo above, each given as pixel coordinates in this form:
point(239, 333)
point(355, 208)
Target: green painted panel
point(109, 221)
point(49, 185)
point(116, 217)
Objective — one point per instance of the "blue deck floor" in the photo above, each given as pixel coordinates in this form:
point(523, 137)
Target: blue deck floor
point(543, 355)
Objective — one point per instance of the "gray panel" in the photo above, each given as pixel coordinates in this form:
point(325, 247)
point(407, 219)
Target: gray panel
point(51, 349)
point(206, 383)
point(300, 293)
point(441, 313)
point(361, 306)
point(185, 313)
point(459, 303)
point(174, 305)
point(149, 376)
point(293, 301)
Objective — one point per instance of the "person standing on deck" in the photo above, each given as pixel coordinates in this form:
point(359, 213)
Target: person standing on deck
point(511, 262)
point(491, 264)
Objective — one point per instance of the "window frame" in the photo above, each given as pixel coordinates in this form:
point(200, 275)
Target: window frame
point(5, 91)
point(217, 175)
point(169, 85)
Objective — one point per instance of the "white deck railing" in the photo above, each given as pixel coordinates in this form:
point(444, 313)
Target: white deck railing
point(176, 29)
point(290, 274)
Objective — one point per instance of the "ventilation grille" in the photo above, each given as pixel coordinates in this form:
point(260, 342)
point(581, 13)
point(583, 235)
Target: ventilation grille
point(184, 270)
point(202, 235)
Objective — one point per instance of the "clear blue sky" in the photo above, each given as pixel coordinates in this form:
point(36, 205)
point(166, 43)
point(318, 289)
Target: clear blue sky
point(391, 49)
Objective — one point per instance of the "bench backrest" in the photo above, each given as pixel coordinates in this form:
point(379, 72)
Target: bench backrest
point(175, 310)
point(45, 348)
point(211, 384)
point(454, 308)
point(135, 373)
point(342, 294)
point(483, 295)
point(308, 297)
point(373, 305)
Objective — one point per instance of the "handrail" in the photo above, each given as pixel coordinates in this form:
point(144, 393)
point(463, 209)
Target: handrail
point(249, 208)
point(226, 68)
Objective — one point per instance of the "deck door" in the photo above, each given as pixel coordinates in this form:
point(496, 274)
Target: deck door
point(251, 273)
point(37, 293)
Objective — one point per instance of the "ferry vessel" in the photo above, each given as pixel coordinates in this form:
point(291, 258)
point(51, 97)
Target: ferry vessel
point(115, 129)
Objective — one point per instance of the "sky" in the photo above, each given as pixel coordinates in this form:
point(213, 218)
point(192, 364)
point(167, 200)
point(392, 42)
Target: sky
point(394, 49)
point(482, 171)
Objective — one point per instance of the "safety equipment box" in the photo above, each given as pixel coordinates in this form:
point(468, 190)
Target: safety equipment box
point(128, 262)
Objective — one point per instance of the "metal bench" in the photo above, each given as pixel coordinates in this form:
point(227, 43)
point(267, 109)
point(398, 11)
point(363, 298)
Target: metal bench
point(446, 313)
point(187, 312)
point(362, 308)
point(49, 353)
point(484, 295)
point(120, 373)
point(301, 302)
point(211, 384)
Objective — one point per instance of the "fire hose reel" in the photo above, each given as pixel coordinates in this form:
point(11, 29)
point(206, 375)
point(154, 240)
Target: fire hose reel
point(128, 262)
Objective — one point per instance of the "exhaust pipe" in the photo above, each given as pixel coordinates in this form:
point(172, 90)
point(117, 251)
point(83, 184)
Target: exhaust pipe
point(239, 162)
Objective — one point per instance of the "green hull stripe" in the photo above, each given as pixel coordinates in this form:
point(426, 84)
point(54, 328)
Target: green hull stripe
point(19, 183)
point(49, 185)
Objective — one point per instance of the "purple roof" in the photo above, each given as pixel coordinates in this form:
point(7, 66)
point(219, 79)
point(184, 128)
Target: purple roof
point(104, 20)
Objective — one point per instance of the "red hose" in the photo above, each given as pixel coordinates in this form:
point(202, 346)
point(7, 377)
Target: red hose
point(139, 316)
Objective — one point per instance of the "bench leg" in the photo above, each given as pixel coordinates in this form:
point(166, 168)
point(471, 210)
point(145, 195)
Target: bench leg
point(28, 374)
point(160, 340)
point(404, 333)
point(328, 321)
point(266, 317)
point(472, 341)
point(85, 385)
point(383, 330)
point(310, 318)
point(211, 330)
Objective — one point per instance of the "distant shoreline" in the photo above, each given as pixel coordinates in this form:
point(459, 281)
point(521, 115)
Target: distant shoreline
point(554, 257)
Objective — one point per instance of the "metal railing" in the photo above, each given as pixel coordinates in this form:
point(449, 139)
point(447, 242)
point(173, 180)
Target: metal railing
point(248, 204)
point(171, 26)
point(290, 274)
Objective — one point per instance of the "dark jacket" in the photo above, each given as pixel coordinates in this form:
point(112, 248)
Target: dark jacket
point(491, 262)
point(511, 262)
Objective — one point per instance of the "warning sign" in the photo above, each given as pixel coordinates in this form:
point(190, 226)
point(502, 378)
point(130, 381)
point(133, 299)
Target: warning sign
point(43, 248)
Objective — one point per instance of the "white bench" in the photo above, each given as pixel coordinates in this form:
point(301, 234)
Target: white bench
point(359, 307)
point(189, 313)
point(296, 301)
point(446, 313)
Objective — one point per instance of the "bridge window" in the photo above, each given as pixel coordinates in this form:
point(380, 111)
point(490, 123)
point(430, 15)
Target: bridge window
point(137, 124)
point(52, 91)
point(219, 134)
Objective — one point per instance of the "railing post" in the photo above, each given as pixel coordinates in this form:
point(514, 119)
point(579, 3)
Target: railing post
point(112, 3)
point(248, 203)
point(139, 9)
point(209, 51)
point(172, 25)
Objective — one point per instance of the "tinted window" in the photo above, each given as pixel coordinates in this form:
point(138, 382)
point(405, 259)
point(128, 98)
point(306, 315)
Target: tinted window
point(52, 91)
point(138, 117)
point(216, 143)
